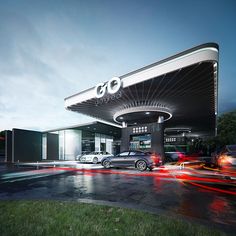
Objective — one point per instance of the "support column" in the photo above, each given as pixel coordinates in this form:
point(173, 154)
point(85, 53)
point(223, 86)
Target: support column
point(124, 146)
point(158, 138)
point(124, 124)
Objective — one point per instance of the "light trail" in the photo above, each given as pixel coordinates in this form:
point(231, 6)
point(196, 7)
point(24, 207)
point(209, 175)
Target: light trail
point(213, 189)
point(189, 174)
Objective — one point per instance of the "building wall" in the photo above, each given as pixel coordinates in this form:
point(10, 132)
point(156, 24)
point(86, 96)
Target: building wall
point(61, 138)
point(8, 146)
point(103, 143)
point(52, 147)
point(156, 136)
point(88, 141)
point(67, 144)
point(26, 145)
point(72, 144)
point(30, 146)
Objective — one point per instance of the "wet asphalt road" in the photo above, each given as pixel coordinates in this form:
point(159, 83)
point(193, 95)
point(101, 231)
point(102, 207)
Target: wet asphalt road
point(123, 188)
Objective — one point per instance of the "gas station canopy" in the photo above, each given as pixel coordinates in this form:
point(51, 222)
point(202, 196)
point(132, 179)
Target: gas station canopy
point(182, 89)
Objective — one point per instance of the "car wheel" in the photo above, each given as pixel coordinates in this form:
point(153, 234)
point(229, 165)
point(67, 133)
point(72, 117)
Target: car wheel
point(106, 164)
point(95, 160)
point(141, 165)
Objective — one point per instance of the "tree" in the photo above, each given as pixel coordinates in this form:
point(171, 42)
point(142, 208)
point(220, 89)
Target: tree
point(226, 132)
point(227, 128)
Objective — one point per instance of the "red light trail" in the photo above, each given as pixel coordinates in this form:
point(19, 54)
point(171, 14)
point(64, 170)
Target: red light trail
point(188, 175)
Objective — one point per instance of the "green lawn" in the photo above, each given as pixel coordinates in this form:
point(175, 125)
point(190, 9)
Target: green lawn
point(69, 218)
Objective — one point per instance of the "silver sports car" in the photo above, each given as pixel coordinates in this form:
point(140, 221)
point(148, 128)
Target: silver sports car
point(138, 159)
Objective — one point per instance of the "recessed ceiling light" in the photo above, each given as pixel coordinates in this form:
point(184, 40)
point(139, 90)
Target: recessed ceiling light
point(121, 118)
point(147, 112)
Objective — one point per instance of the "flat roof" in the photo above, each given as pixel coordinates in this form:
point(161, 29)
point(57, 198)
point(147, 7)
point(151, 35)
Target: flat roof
point(95, 127)
point(184, 85)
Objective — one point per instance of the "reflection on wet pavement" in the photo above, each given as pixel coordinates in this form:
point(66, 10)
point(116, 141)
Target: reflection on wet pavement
point(198, 193)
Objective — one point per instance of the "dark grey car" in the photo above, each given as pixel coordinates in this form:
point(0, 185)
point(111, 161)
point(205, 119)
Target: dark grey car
point(138, 159)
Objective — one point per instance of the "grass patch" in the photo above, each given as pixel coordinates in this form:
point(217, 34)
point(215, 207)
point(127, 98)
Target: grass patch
point(69, 218)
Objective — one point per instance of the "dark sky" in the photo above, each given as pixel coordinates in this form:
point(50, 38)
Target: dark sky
point(53, 49)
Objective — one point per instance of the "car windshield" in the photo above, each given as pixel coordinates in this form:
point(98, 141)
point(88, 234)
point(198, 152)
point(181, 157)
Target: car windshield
point(231, 148)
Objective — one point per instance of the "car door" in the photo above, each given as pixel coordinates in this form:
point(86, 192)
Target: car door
point(131, 158)
point(120, 159)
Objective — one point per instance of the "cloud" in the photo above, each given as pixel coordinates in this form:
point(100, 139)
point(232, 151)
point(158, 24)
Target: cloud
point(34, 77)
point(50, 51)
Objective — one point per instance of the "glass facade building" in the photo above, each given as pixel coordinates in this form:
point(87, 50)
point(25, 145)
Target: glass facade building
point(67, 144)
